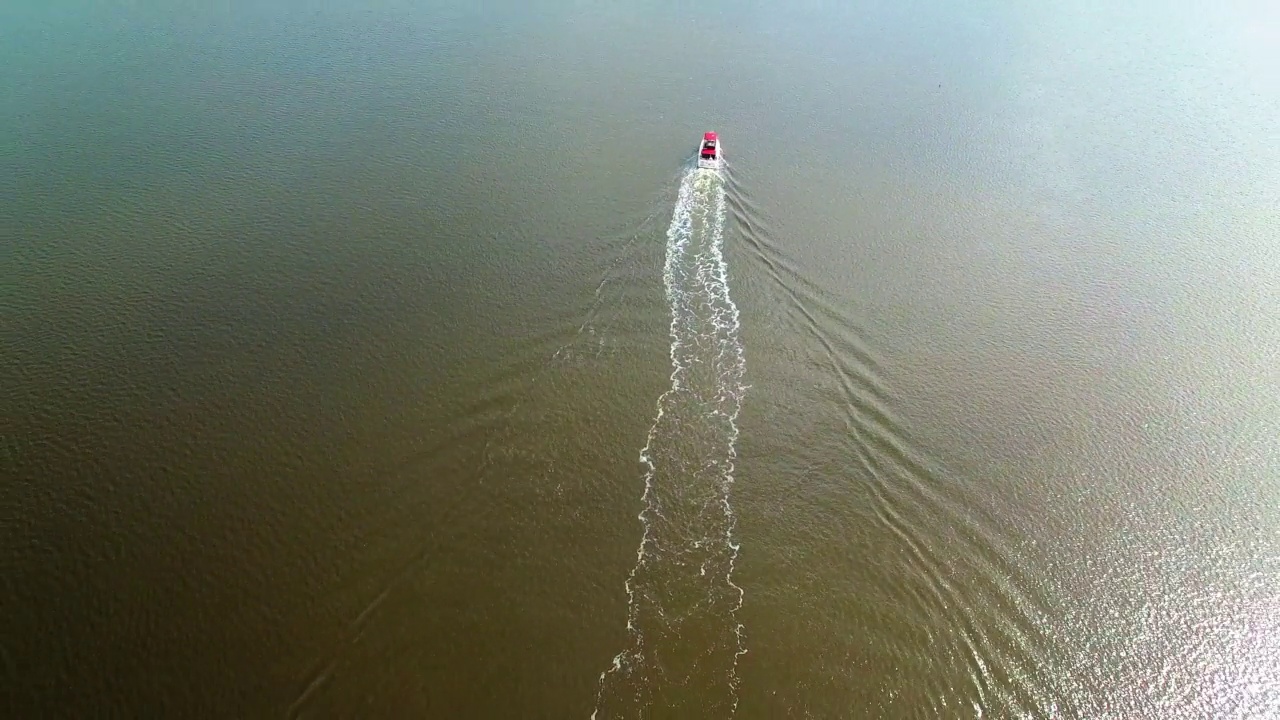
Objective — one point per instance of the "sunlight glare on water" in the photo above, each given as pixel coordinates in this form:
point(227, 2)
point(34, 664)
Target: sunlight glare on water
point(388, 360)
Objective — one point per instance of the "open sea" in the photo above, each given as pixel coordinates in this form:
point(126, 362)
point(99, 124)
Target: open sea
point(393, 359)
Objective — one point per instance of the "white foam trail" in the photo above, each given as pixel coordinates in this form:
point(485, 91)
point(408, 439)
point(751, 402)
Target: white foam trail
point(695, 433)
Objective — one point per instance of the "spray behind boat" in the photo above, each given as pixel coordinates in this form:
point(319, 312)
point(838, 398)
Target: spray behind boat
point(684, 638)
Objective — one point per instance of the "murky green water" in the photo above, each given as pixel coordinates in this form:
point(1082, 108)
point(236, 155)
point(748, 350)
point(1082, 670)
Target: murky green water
point(357, 360)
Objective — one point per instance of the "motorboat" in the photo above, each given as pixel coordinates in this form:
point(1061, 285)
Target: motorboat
point(709, 155)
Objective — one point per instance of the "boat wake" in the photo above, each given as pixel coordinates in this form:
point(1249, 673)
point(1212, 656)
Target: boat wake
point(684, 638)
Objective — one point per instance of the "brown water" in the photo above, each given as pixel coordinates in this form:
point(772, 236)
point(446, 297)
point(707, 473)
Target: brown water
point(388, 360)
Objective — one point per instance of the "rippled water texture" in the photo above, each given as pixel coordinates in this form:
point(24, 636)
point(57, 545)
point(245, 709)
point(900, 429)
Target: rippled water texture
point(685, 639)
point(391, 360)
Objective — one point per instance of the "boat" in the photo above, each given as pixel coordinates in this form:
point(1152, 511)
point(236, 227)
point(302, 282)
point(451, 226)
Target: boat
point(709, 156)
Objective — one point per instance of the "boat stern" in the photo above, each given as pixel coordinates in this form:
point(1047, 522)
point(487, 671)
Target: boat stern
point(709, 156)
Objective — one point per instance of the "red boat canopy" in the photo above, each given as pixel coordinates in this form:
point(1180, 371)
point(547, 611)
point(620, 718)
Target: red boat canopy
point(709, 136)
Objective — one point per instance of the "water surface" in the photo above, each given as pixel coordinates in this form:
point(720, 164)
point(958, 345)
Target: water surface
point(336, 336)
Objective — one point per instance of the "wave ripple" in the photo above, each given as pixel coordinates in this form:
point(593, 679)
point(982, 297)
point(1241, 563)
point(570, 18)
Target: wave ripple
point(684, 636)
